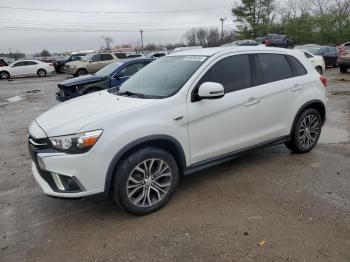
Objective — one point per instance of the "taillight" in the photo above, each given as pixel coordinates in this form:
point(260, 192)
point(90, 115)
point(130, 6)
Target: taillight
point(324, 80)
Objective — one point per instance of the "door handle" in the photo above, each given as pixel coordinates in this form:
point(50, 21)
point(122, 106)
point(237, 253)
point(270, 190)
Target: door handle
point(252, 101)
point(296, 88)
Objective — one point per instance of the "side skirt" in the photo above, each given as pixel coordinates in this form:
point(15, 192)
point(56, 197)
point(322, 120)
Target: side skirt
point(224, 158)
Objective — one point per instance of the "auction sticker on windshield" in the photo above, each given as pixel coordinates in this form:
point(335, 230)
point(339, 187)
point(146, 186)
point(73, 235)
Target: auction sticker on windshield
point(195, 58)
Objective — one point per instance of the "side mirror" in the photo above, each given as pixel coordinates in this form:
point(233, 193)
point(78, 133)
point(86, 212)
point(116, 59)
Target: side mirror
point(211, 90)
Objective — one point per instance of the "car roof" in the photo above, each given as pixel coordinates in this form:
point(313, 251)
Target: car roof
point(230, 49)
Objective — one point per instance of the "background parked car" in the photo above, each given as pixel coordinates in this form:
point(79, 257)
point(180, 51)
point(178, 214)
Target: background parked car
point(344, 58)
point(329, 53)
point(110, 76)
point(316, 60)
point(60, 64)
point(91, 63)
point(3, 62)
point(244, 42)
point(157, 54)
point(275, 40)
point(26, 67)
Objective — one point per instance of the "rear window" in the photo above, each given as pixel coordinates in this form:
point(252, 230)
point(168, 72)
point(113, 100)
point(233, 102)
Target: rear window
point(274, 67)
point(298, 68)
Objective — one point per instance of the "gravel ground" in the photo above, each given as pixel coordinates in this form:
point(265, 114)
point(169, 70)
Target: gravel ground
point(298, 204)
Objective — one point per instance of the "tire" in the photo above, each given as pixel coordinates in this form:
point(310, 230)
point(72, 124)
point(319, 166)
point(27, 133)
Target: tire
point(4, 75)
point(343, 69)
point(41, 73)
point(81, 72)
point(159, 187)
point(319, 70)
point(306, 131)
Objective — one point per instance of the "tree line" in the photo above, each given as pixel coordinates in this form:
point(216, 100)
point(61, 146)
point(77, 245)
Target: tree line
point(304, 21)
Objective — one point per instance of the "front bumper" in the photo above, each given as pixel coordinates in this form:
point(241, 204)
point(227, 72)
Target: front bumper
point(64, 175)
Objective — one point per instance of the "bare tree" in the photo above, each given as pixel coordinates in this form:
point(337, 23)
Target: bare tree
point(108, 41)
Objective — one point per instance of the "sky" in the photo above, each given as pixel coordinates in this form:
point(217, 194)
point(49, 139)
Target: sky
point(70, 25)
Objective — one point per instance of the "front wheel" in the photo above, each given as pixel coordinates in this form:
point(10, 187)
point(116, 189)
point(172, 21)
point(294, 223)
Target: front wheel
point(4, 75)
point(306, 131)
point(145, 180)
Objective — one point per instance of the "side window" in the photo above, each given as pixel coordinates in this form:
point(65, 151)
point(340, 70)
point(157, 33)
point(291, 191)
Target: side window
point(232, 72)
point(106, 57)
point(96, 58)
point(120, 55)
point(131, 69)
point(19, 64)
point(307, 55)
point(30, 63)
point(274, 67)
point(298, 68)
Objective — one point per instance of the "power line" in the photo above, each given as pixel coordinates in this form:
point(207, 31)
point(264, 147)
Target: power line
point(113, 11)
point(85, 29)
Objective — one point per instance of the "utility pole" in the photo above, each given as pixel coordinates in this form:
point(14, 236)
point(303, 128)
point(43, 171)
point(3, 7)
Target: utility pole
point(222, 27)
point(141, 32)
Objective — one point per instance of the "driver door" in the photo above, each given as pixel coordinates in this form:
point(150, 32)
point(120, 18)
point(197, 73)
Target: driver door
point(219, 126)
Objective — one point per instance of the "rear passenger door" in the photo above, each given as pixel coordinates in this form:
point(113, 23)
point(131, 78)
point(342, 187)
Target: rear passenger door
point(280, 85)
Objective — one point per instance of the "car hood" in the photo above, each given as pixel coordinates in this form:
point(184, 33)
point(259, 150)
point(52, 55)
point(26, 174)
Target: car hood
point(82, 80)
point(72, 116)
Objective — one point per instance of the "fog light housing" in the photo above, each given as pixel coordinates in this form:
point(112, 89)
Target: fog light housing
point(66, 183)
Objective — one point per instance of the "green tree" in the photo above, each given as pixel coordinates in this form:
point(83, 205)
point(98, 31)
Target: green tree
point(254, 17)
point(45, 53)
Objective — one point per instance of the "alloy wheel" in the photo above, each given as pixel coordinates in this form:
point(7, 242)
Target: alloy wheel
point(149, 182)
point(309, 130)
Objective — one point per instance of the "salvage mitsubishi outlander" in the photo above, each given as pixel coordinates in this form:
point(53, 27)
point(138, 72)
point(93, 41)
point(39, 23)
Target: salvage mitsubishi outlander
point(182, 113)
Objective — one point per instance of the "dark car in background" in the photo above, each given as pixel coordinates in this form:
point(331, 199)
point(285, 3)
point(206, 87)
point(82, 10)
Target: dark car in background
point(3, 62)
point(329, 53)
point(60, 64)
point(112, 75)
point(275, 40)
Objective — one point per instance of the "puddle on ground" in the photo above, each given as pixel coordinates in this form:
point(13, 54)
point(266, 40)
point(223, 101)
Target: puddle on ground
point(14, 99)
point(333, 135)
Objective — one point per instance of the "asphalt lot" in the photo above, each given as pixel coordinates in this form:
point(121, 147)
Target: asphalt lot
point(298, 204)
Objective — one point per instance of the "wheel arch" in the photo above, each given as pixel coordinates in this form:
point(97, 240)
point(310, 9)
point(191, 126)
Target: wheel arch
point(165, 142)
point(316, 104)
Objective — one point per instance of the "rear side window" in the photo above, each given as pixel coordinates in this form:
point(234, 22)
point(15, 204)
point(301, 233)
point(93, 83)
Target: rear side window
point(298, 68)
point(274, 67)
point(232, 72)
point(30, 63)
point(307, 55)
point(106, 57)
point(120, 55)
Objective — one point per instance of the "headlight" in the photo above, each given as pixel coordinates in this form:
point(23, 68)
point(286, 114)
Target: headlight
point(77, 143)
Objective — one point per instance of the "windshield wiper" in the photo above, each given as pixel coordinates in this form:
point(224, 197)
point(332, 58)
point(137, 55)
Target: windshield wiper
point(129, 93)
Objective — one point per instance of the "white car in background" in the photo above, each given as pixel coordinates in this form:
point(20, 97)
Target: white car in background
point(316, 60)
point(26, 68)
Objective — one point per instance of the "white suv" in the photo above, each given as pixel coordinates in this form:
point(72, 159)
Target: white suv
point(184, 112)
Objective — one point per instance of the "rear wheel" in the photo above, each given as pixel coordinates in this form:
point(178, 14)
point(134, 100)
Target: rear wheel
point(4, 75)
point(81, 72)
point(343, 69)
point(145, 180)
point(306, 131)
point(41, 72)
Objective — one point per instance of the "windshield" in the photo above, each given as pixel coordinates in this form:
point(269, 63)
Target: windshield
point(164, 77)
point(109, 69)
